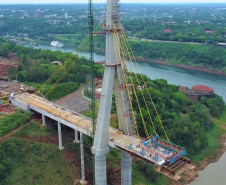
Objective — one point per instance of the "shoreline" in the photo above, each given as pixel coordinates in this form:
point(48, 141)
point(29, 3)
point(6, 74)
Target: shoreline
point(192, 175)
point(163, 62)
point(184, 66)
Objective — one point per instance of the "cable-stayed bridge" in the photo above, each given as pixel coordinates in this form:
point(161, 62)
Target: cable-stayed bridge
point(166, 156)
point(83, 125)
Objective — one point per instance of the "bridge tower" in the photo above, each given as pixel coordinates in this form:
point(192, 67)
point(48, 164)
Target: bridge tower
point(113, 76)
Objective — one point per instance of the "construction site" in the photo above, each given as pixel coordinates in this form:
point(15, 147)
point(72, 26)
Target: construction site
point(157, 150)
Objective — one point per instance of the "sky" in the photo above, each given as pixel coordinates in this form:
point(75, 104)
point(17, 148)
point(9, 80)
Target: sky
point(104, 1)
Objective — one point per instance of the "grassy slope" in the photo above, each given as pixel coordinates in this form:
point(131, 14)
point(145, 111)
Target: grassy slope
point(31, 162)
point(214, 138)
point(34, 130)
point(10, 122)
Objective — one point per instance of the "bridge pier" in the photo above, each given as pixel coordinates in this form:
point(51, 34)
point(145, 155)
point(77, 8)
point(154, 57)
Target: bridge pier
point(76, 137)
point(60, 136)
point(100, 170)
point(83, 181)
point(126, 169)
point(43, 120)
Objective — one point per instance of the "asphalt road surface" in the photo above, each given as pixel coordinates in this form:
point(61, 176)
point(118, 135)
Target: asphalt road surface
point(75, 101)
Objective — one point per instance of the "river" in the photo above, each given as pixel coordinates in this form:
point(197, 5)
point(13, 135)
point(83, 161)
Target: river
point(174, 75)
point(214, 174)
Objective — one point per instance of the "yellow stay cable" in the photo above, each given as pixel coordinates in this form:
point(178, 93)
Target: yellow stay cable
point(66, 72)
point(130, 100)
point(70, 67)
point(128, 91)
point(145, 102)
point(71, 56)
point(120, 122)
point(119, 62)
point(68, 59)
point(145, 85)
point(134, 89)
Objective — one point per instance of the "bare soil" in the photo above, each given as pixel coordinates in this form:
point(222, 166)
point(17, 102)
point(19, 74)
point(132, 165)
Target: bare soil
point(7, 63)
point(9, 109)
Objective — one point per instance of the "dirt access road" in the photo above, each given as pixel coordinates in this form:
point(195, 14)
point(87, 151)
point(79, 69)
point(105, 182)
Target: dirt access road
point(75, 101)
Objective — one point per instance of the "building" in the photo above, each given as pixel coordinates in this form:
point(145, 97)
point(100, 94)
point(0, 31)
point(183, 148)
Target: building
point(168, 31)
point(209, 31)
point(38, 13)
point(57, 63)
point(198, 91)
point(66, 15)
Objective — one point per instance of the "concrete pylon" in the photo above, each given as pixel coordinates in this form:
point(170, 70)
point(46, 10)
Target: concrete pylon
point(126, 171)
point(76, 137)
point(43, 120)
point(60, 136)
point(83, 181)
point(100, 147)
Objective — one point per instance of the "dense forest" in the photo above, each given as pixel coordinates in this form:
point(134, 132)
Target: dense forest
point(190, 54)
point(187, 123)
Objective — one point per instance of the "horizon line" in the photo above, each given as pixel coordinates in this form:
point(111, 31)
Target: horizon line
point(120, 3)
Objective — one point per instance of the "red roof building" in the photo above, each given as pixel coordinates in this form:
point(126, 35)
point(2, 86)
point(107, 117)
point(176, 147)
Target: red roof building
point(168, 31)
point(209, 31)
point(198, 91)
point(202, 88)
point(182, 88)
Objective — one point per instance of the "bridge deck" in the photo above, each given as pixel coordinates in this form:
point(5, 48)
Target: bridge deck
point(84, 125)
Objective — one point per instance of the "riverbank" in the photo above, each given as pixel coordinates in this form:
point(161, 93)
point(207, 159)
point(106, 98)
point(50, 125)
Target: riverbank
point(190, 176)
point(214, 157)
point(196, 68)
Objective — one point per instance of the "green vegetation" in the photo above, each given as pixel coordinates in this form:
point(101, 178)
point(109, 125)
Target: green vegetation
point(35, 68)
point(29, 162)
point(213, 144)
point(10, 122)
point(187, 123)
point(190, 54)
point(59, 91)
point(223, 117)
point(25, 161)
point(146, 175)
point(34, 130)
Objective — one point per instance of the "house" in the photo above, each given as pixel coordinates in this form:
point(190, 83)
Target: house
point(209, 31)
point(57, 63)
point(168, 31)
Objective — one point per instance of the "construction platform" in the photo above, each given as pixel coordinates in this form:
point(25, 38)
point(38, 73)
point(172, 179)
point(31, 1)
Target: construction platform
point(151, 150)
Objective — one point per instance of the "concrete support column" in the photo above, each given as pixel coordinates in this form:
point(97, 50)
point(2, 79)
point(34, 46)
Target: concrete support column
point(100, 170)
point(60, 136)
point(126, 169)
point(76, 137)
point(43, 120)
point(83, 181)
